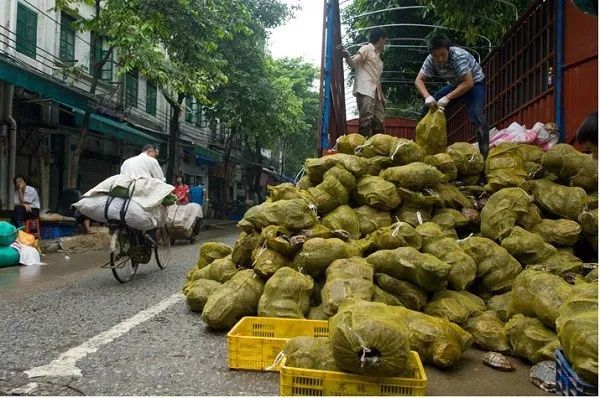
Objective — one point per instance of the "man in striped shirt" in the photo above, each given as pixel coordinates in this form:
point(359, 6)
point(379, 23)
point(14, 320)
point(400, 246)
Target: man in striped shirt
point(464, 77)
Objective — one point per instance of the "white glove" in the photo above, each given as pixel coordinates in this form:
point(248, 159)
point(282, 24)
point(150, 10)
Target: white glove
point(443, 102)
point(430, 101)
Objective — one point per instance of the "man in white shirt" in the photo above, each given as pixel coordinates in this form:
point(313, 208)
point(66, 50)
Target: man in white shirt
point(367, 83)
point(144, 164)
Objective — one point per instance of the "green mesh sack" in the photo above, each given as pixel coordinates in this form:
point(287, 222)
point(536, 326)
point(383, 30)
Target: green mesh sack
point(467, 159)
point(399, 234)
point(347, 278)
point(539, 294)
point(413, 214)
point(406, 152)
point(430, 133)
point(410, 295)
point(305, 183)
point(317, 313)
point(502, 212)
point(560, 263)
point(530, 339)
point(279, 239)
point(267, 261)
point(450, 219)
point(316, 167)
point(345, 177)
point(564, 202)
point(371, 219)
point(415, 176)
point(235, 299)
point(294, 214)
point(589, 224)
point(286, 191)
point(243, 248)
point(456, 307)
point(198, 293)
point(530, 153)
point(220, 270)
point(558, 232)
point(348, 143)
point(592, 201)
point(309, 353)
point(463, 268)
point(376, 192)
point(381, 296)
point(592, 276)
point(444, 163)
point(318, 253)
point(577, 326)
point(377, 163)
point(286, 295)
point(211, 251)
point(500, 304)
point(504, 167)
point(451, 197)
point(366, 341)
point(572, 167)
point(406, 263)
point(527, 247)
point(328, 195)
point(438, 341)
point(377, 145)
point(343, 218)
point(496, 268)
point(488, 331)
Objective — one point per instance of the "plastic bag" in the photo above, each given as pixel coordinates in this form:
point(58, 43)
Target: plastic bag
point(430, 133)
point(286, 295)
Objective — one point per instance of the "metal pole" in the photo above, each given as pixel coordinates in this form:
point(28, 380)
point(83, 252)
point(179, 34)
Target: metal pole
point(329, 53)
point(559, 60)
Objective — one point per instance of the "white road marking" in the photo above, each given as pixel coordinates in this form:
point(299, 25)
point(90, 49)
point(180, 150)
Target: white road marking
point(64, 365)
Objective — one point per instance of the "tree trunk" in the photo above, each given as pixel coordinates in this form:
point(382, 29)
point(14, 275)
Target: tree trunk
point(174, 130)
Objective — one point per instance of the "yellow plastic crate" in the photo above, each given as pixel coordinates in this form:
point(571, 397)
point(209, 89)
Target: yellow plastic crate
point(309, 382)
point(255, 342)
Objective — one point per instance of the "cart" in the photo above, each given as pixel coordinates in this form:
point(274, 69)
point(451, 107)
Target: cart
point(184, 222)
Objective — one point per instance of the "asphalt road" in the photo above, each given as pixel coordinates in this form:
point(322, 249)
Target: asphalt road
point(70, 316)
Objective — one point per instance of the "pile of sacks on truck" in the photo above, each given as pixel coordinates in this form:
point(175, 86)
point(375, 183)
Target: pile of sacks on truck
point(414, 245)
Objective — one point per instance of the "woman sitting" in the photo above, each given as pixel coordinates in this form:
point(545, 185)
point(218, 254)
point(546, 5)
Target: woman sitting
point(27, 202)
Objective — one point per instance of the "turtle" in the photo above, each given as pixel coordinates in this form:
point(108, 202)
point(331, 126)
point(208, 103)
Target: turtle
point(498, 361)
point(543, 375)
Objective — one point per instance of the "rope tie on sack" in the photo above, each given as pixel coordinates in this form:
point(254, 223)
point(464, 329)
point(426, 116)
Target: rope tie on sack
point(400, 144)
point(299, 175)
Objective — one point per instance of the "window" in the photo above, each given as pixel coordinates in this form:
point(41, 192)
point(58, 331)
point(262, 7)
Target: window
point(199, 112)
point(190, 112)
point(151, 99)
point(26, 31)
point(97, 54)
point(131, 89)
point(67, 38)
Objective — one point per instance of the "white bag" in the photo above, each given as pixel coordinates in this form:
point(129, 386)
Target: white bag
point(183, 215)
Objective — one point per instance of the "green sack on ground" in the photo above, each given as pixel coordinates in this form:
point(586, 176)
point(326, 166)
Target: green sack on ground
point(592, 276)
point(405, 152)
point(589, 224)
point(309, 353)
point(328, 195)
point(345, 177)
point(406, 263)
point(366, 341)
point(236, 299)
point(438, 341)
point(377, 163)
point(560, 263)
point(558, 232)
point(317, 313)
point(488, 331)
point(292, 214)
point(347, 278)
point(426, 198)
point(343, 218)
point(286, 191)
point(399, 234)
point(211, 251)
point(572, 167)
point(504, 167)
point(527, 247)
point(318, 253)
point(451, 196)
point(267, 261)
point(279, 239)
point(467, 159)
point(539, 294)
point(496, 268)
point(500, 304)
point(198, 293)
point(456, 307)
point(376, 192)
point(565, 202)
point(413, 214)
point(377, 145)
point(415, 176)
point(530, 339)
point(348, 143)
point(410, 295)
point(371, 219)
point(305, 183)
point(502, 212)
point(434, 241)
point(381, 296)
point(243, 248)
point(449, 219)
point(316, 167)
point(220, 270)
point(286, 295)
point(430, 133)
point(444, 163)
point(577, 326)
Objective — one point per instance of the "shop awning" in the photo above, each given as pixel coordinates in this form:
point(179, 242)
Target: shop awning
point(205, 155)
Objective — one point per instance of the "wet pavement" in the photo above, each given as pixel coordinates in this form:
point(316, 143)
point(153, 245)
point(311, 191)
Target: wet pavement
point(140, 339)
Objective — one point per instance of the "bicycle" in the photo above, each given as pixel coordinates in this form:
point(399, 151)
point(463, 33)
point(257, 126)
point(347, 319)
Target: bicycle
point(130, 247)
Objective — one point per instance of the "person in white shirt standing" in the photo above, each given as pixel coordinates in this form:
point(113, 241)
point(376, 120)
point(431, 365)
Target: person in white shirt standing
point(368, 66)
point(144, 164)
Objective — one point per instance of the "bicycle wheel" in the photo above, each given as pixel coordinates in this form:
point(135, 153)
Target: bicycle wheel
point(121, 264)
point(162, 247)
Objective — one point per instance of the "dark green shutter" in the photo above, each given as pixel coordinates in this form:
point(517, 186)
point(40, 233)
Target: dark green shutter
point(151, 99)
point(26, 31)
point(131, 90)
point(67, 38)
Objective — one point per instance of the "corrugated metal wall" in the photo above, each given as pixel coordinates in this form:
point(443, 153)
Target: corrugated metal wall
point(396, 126)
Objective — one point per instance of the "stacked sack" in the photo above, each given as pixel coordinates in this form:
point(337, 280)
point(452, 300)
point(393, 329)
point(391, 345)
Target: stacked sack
point(436, 246)
point(9, 256)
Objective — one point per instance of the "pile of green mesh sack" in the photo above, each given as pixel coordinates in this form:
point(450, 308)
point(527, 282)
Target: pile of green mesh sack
point(418, 246)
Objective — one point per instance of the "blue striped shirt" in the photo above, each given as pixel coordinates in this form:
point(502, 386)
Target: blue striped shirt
point(460, 62)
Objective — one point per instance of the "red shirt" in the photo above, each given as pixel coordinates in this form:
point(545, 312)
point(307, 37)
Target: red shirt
point(183, 194)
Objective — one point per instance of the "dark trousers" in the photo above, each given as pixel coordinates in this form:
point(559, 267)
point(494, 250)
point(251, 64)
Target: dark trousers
point(475, 99)
point(19, 215)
